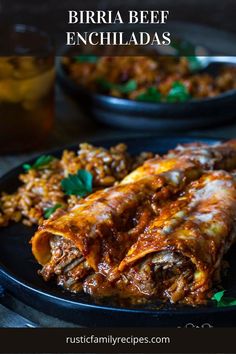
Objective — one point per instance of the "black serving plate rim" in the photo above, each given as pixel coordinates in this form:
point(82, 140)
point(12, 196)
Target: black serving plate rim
point(187, 309)
point(181, 311)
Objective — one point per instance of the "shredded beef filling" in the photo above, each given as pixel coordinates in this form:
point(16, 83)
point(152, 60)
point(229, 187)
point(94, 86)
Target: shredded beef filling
point(164, 275)
point(66, 263)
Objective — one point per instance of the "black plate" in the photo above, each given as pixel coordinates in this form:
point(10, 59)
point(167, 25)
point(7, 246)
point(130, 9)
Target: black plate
point(144, 116)
point(18, 271)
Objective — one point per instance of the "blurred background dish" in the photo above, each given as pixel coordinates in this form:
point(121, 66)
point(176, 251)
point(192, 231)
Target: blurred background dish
point(162, 93)
point(148, 77)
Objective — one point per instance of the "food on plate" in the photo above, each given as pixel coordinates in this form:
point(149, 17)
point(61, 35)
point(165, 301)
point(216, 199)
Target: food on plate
point(150, 236)
point(150, 78)
point(41, 191)
point(179, 255)
point(106, 223)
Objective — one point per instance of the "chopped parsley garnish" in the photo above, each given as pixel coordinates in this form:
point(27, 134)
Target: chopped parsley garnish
point(194, 63)
point(127, 87)
point(41, 163)
point(49, 211)
point(151, 95)
point(86, 59)
point(188, 50)
point(78, 184)
point(178, 93)
point(223, 301)
point(183, 47)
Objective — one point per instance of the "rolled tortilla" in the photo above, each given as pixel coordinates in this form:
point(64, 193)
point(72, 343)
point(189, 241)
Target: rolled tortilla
point(104, 226)
point(108, 222)
point(179, 256)
point(208, 157)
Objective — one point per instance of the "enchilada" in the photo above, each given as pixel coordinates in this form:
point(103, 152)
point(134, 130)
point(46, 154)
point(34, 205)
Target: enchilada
point(96, 243)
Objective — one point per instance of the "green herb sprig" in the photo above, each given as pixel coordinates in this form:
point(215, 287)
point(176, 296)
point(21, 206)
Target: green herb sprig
point(183, 47)
point(125, 88)
point(86, 59)
point(223, 301)
point(41, 163)
point(194, 63)
point(49, 211)
point(150, 95)
point(178, 93)
point(188, 50)
point(79, 184)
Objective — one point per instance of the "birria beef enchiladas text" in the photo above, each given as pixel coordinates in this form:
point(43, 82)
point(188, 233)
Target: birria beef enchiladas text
point(158, 231)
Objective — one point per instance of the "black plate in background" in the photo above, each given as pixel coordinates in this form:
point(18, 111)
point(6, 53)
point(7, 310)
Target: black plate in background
point(144, 116)
point(18, 271)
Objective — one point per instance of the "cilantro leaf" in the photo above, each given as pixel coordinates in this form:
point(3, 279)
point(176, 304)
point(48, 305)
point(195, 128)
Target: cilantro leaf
point(178, 93)
point(218, 296)
point(194, 63)
point(188, 50)
point(183, 47)
point(151, 95)
point(223, 301)
point(78, 184)
point(27, 167)
point(49, 211)
point(86, 59)
point(42, 162)
point(127, 87)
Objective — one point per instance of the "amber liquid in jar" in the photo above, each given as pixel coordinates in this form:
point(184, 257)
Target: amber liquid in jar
point(26, 102)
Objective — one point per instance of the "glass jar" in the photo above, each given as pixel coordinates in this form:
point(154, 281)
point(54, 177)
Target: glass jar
point(27, 77)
